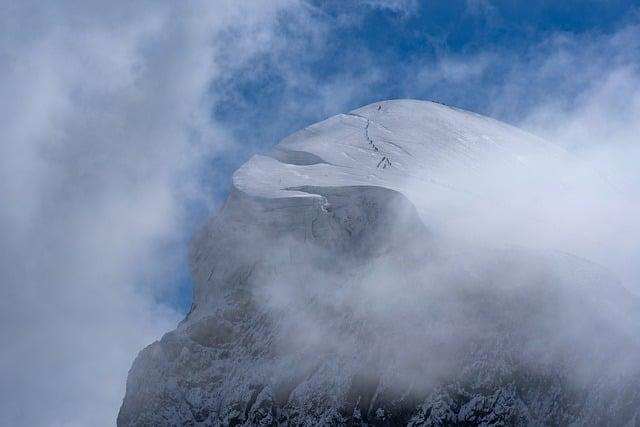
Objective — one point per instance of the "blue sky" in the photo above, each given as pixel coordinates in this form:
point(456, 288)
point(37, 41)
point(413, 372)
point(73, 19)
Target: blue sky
point(364, 39)
point(125, 120)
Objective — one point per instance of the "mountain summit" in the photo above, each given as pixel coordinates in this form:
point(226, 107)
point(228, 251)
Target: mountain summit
point(384, 267)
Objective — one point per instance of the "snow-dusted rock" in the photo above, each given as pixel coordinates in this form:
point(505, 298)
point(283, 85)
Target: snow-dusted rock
point(332, 289)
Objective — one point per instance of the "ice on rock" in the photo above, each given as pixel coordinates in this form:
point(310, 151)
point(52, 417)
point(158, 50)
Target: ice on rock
point(326, 291)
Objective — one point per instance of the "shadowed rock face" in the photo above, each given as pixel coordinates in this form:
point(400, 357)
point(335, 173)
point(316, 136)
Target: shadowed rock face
point(322, 296)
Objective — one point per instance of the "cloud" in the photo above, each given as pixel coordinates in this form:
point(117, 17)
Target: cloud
point(106, 140)
point(109, 138)
point(598, 123)
point(580, 92)
point(452, 70)
point(403, 7)
point(482, 9)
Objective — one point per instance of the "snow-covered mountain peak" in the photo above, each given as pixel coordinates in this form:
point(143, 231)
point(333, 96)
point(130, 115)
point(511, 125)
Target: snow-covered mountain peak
point(458, 169)
point(397, 144)
point(357, 275)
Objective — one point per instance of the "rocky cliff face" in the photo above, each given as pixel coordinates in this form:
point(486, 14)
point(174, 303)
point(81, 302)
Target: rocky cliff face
point(331, 289)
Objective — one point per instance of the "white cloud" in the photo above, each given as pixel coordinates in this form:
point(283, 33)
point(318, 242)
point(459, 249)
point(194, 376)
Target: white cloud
point(582, 92)
point(107, 133)
point(599, 123)
point(451, 69)
point(403, 7)
point(482, 9)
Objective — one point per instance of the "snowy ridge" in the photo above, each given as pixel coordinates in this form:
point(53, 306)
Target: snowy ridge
point(389, 144)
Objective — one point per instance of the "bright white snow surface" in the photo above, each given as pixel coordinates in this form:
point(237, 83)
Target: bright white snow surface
point(390, 144)
point(458, 168)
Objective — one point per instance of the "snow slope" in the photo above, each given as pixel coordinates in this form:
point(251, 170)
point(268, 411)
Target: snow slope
point(408, 146)
point(328, 290)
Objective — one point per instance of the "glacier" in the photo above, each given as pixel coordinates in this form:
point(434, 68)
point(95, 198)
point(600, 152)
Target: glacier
point(384, 267)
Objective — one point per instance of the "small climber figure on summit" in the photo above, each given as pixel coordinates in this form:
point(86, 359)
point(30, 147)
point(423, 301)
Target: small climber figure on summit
point(379, 107)
point(384, 162)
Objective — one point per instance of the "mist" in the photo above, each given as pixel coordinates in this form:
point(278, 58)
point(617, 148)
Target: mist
point(106, 142)
point(122, 126)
